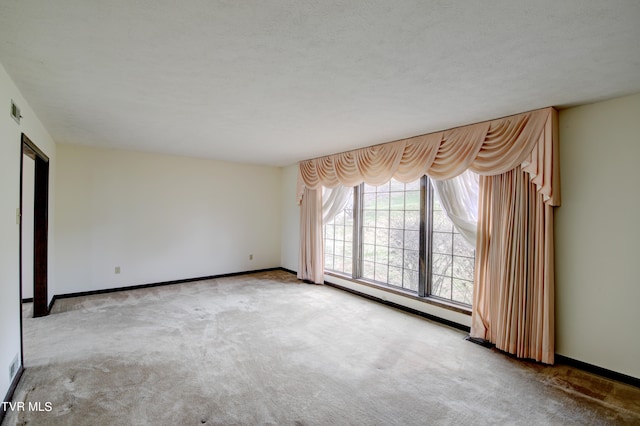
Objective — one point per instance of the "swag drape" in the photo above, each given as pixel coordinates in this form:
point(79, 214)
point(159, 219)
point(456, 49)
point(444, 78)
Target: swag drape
point(526, 142)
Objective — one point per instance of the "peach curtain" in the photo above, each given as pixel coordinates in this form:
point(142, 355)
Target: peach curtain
point(514, 282)
point(311, 260)
point(525, 142)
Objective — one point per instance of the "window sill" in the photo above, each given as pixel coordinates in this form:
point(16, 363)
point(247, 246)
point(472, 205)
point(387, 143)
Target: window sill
point(428, 300)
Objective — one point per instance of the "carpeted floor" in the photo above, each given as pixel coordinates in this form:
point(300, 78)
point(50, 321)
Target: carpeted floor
point(266, 349)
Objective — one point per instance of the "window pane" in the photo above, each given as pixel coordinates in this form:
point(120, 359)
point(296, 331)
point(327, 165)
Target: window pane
point(381, 272)
point(328, 246)
point(411, 260)
point(338, 240)
point(441, 222)
point(395, 276)
point(383, 201)
point(397, 201)
point(382, 237)
point(348, 249)
point(462, 291)
point(369, 252)
point(369, 235)
point(382, 254)
point(368, 270)
point(463, 268)
point(412, 200)
point(412, 220)
point(396, 238)
point(337, 264)
point(349, 215)
point(441, 286)
point(441, 264)
point(348, 233)
point(462, 247)
point(328, 261)
point(396, 257)
point(328, 231)
point(368, 218)
point(412, 240)
point(453, 260)
point(442, 242)
point(382, 219)
point(369, 201)
point(410, 280)
point(394, 246)
point(396, 219)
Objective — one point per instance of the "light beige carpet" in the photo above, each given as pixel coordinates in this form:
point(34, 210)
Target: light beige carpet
point(266, 349)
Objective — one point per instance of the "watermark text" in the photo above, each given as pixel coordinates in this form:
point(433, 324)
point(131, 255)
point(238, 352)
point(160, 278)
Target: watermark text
point(27, 406)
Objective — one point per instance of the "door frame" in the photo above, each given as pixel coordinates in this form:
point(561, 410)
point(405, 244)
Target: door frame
point(40, 226)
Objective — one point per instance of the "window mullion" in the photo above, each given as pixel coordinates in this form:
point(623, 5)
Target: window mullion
point(426, 228)
point(356, 270)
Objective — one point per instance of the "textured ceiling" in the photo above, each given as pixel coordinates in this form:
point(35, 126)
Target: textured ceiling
point(275, 82)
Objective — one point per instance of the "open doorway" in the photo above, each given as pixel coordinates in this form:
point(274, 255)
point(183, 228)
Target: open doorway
point(38, 231)
point(26, 223)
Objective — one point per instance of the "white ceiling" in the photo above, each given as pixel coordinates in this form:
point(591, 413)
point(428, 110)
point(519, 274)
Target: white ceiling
point(275, 82)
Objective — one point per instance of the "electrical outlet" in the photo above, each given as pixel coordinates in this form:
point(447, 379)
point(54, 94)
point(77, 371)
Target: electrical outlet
point(250, 257)
point(13, 368)
point(117, 269)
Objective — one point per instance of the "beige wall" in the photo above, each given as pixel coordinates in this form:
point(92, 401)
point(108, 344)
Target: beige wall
point(290, 219)
point(10, 141)
point(160, 218)
point(597, 232)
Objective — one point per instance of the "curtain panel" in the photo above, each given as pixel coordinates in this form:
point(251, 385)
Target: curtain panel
point(526, 143)
point(514, 275)
point(311, 260)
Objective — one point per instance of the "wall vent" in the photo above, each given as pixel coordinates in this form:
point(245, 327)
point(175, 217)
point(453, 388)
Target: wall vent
point(13, 368)
point(15, 112)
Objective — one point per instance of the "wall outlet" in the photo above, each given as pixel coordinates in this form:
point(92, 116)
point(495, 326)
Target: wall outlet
point(117, 269)
point(250, 257)
point(13, 368)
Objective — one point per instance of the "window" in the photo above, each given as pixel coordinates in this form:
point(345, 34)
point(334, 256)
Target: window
point(391, 234)
point(384, 232)
point(338, 241)
point(453, 260)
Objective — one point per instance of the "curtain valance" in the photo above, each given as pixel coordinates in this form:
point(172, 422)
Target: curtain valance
point(488, 148)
